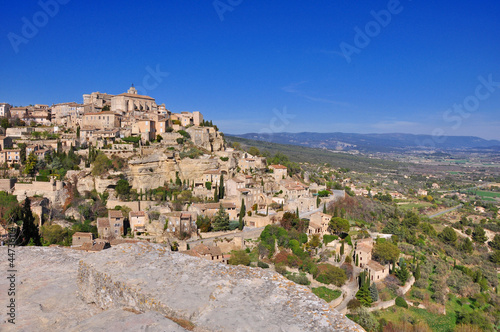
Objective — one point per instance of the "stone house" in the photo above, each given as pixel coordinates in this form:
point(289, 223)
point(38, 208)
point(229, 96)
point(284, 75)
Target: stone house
point(79, 238)
point(181, 222)
point(232, 186)
point(364, 253)
point(138, 221)
point(101, 120)
point(279, 172)
point(377, 271)
point(321, 219)
point(103, 228)
point(210, 209)
point(210, 253)
point(116, 220)
point(10, 156)
point(5, 142)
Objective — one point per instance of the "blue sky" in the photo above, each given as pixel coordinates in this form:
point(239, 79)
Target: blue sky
point(262, 66)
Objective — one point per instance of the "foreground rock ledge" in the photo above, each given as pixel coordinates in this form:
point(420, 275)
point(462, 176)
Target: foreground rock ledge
point(201, 295)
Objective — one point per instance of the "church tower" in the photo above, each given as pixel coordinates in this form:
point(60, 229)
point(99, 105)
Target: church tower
point(132, 90)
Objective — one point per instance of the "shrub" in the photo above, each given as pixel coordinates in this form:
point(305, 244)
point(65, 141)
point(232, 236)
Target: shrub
point(353, 304)
point(329, 274)
point(300, 279)
point(262, 265)
point(280, 268)
point(329, 238)
point(401, 302)
point(239, 257)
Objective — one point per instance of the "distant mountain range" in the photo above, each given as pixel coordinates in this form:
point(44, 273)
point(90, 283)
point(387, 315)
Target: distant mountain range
point(377, 142)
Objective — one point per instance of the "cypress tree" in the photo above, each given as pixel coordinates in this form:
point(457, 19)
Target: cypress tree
point(221, 187)
point(297, 212)
point(374, 292)
point(357, 259)
point(29, 231)
point(216, 194)
point(342, 249)
point(324, 208)
point(417, 272)
point(241, 224)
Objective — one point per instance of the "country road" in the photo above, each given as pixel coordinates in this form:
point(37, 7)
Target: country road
point(446, 211)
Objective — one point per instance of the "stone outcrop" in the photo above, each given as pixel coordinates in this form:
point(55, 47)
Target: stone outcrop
point(210, 296)
point(153, 171)
point(145, 287)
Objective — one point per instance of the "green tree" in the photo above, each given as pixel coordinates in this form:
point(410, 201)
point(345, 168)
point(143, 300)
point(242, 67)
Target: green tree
point(479, 235)
point(495, 244)
point(385, 252)
point(241, 222)
point(221, 220)
point(338, 225)
point(239, 257)
point(216, 194)
point(467, 246)
point(448, 235)
point(342, 249)
point(30, 168)
point(78, 132)
point(363, 294)
point(22, 152)
point(29, 232)
point(254, 151)
point(411, 219)
point(495, 257)
point(374, 292)
point(324, 208)
point(101, 164)
point(331, 275)
point(221, 187)
point(402, 272)
point(417, 272)
point(4, 123)
point(122, 188)
point(366, 319)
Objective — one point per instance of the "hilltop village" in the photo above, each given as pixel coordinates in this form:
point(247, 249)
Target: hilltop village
point(122, 169)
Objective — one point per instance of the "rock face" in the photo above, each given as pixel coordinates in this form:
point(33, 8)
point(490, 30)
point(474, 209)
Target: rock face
point(155, 170)
point(144, 287)
point(213, 297)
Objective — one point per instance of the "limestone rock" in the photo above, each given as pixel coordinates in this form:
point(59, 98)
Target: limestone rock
point(214, 297)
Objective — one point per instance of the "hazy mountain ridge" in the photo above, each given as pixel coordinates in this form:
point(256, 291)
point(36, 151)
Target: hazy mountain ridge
point(375, 142)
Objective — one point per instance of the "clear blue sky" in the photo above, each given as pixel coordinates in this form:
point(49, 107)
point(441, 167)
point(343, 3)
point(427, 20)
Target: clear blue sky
point(265, 57)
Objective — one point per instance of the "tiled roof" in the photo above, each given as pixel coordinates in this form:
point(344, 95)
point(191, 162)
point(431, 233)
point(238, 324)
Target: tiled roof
point(102, 222)
point(375, 266)
point(115, 214)
point(278, 166)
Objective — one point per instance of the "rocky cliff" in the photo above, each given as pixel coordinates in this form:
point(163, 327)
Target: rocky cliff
point(144, 287)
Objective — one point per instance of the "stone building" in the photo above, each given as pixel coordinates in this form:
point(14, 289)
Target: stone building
point(97, 100)
point(131, 101)
point(79, 238)
point(181, 222)
point(101, 120)
point(138, 221)
point(279, 172)
point(376, 271)
point(4, 110)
